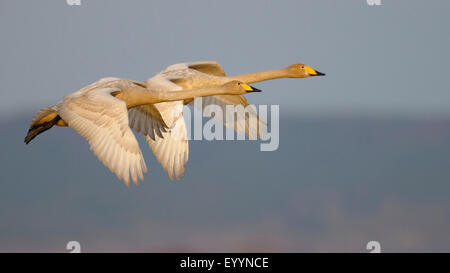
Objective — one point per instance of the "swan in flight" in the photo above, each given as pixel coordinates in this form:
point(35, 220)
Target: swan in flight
point(99, 113)
point(183, 76)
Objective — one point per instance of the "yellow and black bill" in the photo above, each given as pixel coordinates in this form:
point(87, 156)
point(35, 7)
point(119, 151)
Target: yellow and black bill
point(249, 88)
point(312, 72)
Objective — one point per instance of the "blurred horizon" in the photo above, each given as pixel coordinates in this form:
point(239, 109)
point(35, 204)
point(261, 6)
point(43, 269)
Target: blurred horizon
point(345, 182)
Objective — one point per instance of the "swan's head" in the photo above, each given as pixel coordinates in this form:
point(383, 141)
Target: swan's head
point(239, 88)
point(302, 71)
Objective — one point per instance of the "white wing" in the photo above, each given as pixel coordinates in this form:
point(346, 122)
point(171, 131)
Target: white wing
point(147, 120)
point(253, 126)
point(103, 121)
point(248, 123)
point(172, 150)
point(168, 110)
point(207, 67)
point(144, 119)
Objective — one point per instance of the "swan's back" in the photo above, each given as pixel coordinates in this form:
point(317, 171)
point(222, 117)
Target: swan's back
point(194, 75)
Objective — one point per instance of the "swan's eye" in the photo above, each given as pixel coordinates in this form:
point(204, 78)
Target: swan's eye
point(239, 83)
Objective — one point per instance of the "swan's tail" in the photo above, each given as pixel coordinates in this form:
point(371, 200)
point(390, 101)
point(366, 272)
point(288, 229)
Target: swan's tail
point(44, 120)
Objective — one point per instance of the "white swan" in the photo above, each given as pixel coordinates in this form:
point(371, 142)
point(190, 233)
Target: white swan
point(99, 112)
point(174, 143)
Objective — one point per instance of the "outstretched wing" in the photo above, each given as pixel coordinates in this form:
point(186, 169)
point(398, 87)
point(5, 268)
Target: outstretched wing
point(169, 111)
point(103, 121)
point(253, 126)
point(147, 120)
point(211, 68)
point(172, 149)
point(249, 124)
point(207, 67)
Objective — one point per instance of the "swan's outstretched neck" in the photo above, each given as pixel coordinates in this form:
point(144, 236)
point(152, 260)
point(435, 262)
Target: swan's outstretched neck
point(138, 96)
point(261, 76)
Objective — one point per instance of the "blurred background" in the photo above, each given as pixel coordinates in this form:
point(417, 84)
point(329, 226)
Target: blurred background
point(364, 152)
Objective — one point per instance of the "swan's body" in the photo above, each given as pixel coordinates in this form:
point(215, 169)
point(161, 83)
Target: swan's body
point(183, 76)
point(101, 111)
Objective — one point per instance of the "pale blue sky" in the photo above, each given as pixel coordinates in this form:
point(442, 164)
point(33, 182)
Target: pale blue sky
point(390, 59)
